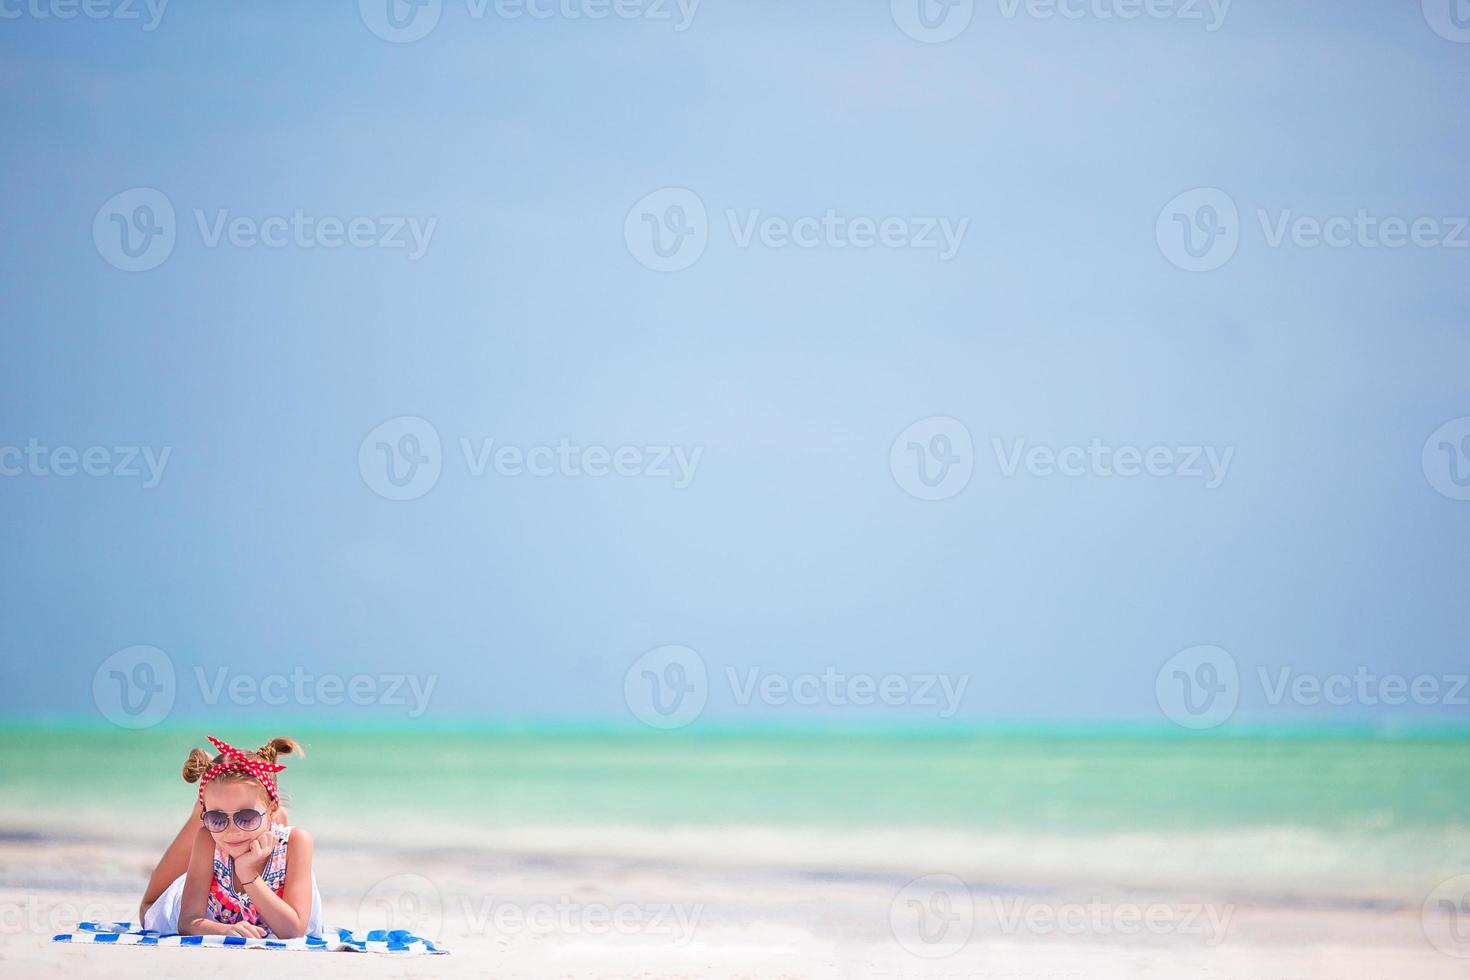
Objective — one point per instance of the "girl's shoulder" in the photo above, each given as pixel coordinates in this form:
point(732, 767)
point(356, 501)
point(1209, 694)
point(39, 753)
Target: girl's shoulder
point(298, 837)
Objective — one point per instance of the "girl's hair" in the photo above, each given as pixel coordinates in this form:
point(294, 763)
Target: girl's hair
point(199, 760)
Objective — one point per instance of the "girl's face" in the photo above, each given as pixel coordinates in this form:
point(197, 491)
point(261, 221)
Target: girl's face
point(231, 796)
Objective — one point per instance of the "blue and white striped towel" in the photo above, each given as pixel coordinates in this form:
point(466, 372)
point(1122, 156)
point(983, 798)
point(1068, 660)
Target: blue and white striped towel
point(331, 940)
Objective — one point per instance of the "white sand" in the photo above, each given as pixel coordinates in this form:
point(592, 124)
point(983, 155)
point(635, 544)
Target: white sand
point(519, 915)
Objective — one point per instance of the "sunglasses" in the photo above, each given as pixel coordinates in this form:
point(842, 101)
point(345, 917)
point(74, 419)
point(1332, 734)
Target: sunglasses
point(216, 821)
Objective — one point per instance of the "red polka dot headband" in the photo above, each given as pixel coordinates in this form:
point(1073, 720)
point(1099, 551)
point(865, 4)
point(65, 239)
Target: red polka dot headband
point(236, 761)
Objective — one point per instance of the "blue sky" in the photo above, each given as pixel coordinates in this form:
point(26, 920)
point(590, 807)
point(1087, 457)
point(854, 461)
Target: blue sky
point(795, 548)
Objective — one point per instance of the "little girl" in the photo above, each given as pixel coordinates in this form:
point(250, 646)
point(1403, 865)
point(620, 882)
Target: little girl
point(230, 875)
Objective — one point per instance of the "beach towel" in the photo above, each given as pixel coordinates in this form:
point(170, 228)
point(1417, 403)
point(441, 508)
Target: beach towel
point(331, 940)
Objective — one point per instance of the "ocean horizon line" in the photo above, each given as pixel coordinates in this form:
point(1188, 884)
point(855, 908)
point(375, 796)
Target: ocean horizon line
point(716, 728)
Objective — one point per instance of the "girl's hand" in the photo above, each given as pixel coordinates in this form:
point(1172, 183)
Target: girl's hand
point(251, 862)
point(247, 929)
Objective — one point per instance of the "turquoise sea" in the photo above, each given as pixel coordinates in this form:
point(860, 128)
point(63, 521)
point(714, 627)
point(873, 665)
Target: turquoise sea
point(1363, 813)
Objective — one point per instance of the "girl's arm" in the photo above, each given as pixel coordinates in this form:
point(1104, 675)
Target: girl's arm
point(289, 912)
point(174, 860)
point(192, 918)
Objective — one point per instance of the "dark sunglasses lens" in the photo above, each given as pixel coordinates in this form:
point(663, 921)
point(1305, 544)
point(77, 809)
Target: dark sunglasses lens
point(248, 819)
point(216, 820)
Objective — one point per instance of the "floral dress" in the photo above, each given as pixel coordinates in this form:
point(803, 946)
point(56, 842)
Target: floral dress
point(229, 904)
point(224, 903)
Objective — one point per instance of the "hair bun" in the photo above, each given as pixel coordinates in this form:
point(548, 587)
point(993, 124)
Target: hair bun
point(196, 765)
point(278, 747)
